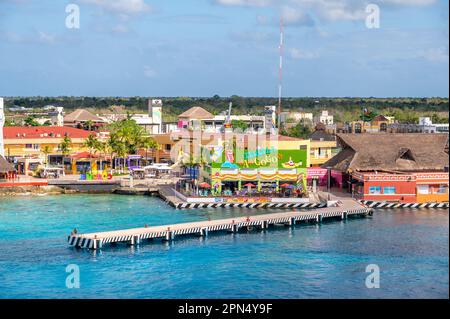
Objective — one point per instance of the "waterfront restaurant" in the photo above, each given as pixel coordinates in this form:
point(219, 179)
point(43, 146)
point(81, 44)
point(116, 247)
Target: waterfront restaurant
point(266, 168)
point(407, 168)
point(7, 171)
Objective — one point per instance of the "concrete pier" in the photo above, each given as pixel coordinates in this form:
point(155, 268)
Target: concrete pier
point(204, 228)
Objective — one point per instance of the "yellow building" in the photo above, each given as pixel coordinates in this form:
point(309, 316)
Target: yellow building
point(323, 147)
point(378, 124)
point(37, 145)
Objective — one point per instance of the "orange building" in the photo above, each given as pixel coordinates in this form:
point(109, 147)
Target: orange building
point(407, 168)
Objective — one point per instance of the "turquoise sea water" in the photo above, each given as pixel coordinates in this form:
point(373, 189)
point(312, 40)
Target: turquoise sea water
point(307, 261)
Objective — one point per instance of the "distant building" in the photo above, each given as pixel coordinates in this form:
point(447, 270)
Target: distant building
point(326, 118)
point(298, 116)
point(57, 116)
point(82, 118)
point(197, 118)
point(379, 124)
point(425, 125)
point(323, 146)
point(411, 168)
point(151, 121)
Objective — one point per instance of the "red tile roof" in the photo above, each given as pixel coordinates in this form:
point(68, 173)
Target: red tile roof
point(22, 132)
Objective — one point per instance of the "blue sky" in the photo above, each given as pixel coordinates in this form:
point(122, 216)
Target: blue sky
point(224, 47)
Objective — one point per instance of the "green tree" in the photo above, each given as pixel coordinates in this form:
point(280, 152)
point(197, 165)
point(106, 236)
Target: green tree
point(88, 125)
point(46, 150)
point(93, 144)
point(301, 130)
point(65, 145)
point(30, 121)
point(239, 124)
point(10, 123)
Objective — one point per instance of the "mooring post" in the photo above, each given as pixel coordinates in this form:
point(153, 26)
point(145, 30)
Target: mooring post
point(136, 239)
point(264, 224)
point(291, 221)
point(204, 232)
point(169, 235)
point(344, 215)
point(319, 218)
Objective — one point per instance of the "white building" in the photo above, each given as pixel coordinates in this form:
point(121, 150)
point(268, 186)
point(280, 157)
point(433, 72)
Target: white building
point(2, 122)
point(298, 116)
point(326, 119)
point(151, 122)
point(427, 126)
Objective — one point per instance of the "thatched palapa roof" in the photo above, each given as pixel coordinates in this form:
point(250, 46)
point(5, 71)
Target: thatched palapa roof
point(5, 166)
point(81, 115)
point(197, 113)
point(391, 153)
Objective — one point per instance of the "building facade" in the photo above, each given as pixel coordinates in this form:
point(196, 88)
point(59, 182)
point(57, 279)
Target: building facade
point(30, 147)
point(409, 168)
point(234, 164)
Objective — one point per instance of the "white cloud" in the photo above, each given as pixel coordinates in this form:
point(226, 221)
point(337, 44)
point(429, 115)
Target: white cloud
point(328, 10)
point(408, 2)
point(149, 72)
point(302, 55)
point(246, 3)
point(436, 55)
point(120, 28)
point(121, 6)
point(294, 16)
point(46, 37)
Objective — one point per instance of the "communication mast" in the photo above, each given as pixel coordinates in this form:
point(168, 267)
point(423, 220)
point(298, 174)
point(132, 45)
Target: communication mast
point(280, 69)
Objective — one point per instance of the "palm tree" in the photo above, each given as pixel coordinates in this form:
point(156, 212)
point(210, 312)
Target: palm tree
point(88, 125)
point(92, 144)
point(46, 151)
point(148, 143)
point(65, 147)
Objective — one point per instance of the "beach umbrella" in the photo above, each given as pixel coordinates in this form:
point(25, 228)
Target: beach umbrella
point(249, 186)
point(205, 185)
point(285, 185)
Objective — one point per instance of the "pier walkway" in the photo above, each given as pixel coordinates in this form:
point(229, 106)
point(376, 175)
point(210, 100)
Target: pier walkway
point(168, 232)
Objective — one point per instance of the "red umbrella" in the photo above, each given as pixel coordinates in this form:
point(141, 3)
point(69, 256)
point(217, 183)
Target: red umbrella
point(285, 185)
point(204, 185)
point(249, 185)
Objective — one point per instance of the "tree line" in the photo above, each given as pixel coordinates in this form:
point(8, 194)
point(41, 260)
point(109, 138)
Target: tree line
point(344, 109)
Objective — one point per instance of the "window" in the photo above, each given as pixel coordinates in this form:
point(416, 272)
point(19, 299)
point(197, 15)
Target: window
point(389, 190)
point(32, 146)
point(443, 189)
point(422, 189)
point(375, 190)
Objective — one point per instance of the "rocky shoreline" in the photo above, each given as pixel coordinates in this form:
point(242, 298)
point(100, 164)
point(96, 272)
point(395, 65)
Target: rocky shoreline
point(32, 191)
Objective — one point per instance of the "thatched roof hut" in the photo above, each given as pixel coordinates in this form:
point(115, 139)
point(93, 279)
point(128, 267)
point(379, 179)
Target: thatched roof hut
point(81, 115)
point(197, 113)
point(5, 166)
point(390, 153)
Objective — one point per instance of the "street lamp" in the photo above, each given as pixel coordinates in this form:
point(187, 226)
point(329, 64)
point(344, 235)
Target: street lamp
point(328, 181)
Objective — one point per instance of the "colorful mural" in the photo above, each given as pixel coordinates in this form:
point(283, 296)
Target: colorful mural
point(224, 157)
